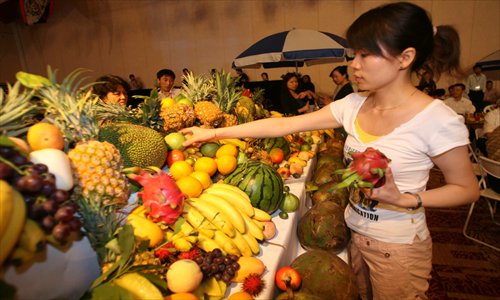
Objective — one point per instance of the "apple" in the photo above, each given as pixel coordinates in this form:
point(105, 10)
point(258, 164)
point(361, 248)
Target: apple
point(287, 277)
point(269, 230)
point(277, 155)
point(284, 172)
point(174, 155)
point(185, 101)
point(174, 140)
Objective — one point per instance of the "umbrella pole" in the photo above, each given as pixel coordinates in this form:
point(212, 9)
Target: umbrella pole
point(296, 67)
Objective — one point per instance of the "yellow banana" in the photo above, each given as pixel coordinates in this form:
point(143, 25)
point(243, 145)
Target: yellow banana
point(32, 237)
point(252, 228)
point(252, 243)
point(226, 209)
point(207, 232)
point(217, 218)
point(259, 224)
point(208, 244)
point(20, 256)
point(194, 217)
point(237, 142)
point(237, 199)
point(227, 243)
point(330, 133)
point(182, 244)
point(138, 286)
point(242, 244)
point(15, 226)
point(261, 215)
point(6, 205)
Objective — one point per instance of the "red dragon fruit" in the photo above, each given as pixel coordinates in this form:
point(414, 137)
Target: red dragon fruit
point(367, 170)
point(160, 195)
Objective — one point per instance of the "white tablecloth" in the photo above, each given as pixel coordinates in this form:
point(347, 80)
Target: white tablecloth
point(275, 257)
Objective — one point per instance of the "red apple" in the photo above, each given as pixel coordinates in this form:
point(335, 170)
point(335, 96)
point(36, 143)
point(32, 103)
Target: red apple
point(287, 277)
point(277, 155)
point(284, 172)
point(174, 155)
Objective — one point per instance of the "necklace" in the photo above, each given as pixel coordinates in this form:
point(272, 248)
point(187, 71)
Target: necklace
point(392, 107)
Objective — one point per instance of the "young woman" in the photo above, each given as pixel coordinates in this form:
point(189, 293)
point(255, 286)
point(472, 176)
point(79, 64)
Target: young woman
point(390, 249)
point(112, 89)
point(293, 103)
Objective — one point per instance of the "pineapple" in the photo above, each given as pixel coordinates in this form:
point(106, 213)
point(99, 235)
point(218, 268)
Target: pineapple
point(177, 116)
point(96, 165)
point(15, 111)
point(228, 94)
point(208, 114)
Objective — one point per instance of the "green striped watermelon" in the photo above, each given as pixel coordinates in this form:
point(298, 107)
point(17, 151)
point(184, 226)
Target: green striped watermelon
point(278, 142)
point(261, 182)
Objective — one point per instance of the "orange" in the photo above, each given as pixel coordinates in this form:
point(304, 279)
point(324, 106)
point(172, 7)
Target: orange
point(190, 186)
point(226, 164)
point(202, 177)
point(206, 164)
point(45, 135)
point(227, 149)
point(180, 169)
point(241, 295)
point(182, 296)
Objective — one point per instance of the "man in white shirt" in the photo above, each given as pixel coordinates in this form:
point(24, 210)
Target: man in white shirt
point(476, 86)
point(166, 79)
point(458, 103)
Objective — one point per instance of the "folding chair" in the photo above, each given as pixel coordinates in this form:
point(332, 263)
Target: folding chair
point(492, 168)
point(475, 161)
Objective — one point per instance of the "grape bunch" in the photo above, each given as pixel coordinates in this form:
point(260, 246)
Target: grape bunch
point(215, 264)
point(47, 205)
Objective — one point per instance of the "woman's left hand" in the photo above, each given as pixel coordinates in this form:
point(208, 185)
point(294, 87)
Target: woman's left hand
point(388, 193)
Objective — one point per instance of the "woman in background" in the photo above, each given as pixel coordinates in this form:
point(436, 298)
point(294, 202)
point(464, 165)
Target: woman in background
point(112, 89)
point(341, 79)
point(293, 103)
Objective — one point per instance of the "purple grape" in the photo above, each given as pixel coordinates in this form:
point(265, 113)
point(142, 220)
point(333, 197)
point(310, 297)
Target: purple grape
point(31, 170)
point(61, 231)
point(41, 168)
point(75, 224)
point(47, 188)
point(49, 177)
point(19, 160)
point(64, 214)
point(50, 206)
point(37, 212)
point(5, 171)
point(48, 223)
point(7, 151)
point(29, 183)
point(60, 196)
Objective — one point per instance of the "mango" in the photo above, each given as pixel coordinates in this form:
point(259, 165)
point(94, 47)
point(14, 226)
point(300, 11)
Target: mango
point(145, 229)
point(248, 265)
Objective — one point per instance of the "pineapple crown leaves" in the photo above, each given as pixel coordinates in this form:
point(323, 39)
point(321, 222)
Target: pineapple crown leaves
point(228, 91)
point(69, 105)
point(197, 87)
point(16, 110)
point(258, 95)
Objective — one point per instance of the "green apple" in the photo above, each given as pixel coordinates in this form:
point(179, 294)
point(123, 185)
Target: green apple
point(185, 101)
point(174, 140)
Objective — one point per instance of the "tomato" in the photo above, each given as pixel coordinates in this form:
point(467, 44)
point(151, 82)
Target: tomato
point(174, 155)
point(287, 277)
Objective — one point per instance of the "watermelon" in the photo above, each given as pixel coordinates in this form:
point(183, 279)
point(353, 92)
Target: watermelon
point(261, 182)
point(278, 142)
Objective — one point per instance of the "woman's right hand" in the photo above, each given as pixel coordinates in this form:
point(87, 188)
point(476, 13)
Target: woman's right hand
point(196, 135)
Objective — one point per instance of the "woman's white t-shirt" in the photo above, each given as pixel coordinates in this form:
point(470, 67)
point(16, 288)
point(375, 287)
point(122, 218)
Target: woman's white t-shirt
point(433, 131)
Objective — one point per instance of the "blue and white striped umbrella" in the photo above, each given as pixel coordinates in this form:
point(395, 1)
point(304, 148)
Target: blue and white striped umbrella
point(292, 48)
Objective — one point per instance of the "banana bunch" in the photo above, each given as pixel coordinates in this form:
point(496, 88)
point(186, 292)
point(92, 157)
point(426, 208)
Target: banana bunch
point(225, 219)
point(20, 238)
point(242, 145)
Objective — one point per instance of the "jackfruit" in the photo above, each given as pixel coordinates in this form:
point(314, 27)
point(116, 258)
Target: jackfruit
point(138, 145)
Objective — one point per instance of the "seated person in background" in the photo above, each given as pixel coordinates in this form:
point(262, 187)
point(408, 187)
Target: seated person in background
point(427, 83)
point(264, 76)
point(305, 85)
point(166, 79)
point(341, 79)
point(243, 77)
point(112, 89)
point(135, 82)
point(490, 94)
point(293, 103)
point(491, 123)
point(458, 103)
point(438, 94)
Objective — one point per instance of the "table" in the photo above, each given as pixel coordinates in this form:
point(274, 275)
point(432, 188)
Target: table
point(275, 257)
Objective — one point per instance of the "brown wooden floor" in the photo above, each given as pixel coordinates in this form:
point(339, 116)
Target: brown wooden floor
point(462, 268)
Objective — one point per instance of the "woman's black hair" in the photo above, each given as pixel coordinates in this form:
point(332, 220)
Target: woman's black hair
point(109, 83)
point(285, 79)
point(342, 70)
point(397, 26)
